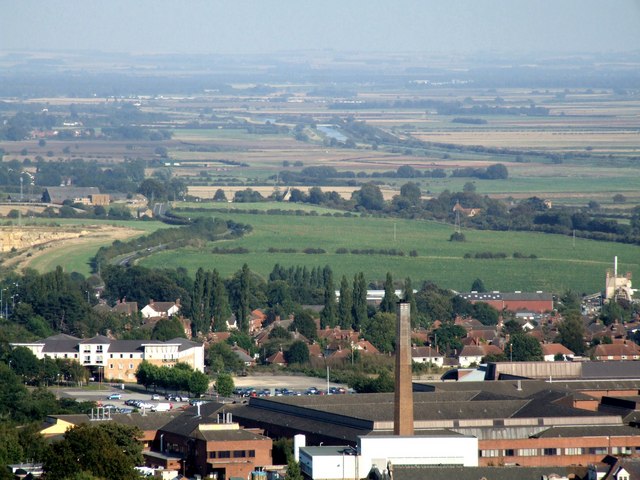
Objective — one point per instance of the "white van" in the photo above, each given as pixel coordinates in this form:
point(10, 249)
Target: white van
point(162, 407)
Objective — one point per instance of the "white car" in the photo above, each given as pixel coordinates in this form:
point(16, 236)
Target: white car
point(162, 407)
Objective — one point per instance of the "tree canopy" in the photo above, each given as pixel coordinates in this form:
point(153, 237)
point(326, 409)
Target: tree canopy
point(106, 450)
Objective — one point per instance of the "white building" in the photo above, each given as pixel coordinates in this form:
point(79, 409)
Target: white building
point(118, 359)
point(385, 451)
point(427, 355)
point(160, 309)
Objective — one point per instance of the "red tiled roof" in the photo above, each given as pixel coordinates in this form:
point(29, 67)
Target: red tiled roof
point(555, 349)
point(277, 358)
point(617, 349)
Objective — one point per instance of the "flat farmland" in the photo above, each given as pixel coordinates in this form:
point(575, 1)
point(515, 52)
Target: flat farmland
point(561, 264)
point(265, 191)
point(559, 140)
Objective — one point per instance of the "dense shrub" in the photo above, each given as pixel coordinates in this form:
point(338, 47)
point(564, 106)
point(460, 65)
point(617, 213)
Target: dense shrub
point(281, 250)
point(224, 251)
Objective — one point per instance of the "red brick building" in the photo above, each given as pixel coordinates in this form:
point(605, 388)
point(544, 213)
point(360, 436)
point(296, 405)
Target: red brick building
point(538, 302)
point(626, 350)
point(207, 442)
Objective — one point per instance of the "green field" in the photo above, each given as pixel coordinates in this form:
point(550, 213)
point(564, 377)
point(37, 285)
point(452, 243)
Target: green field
point(76, 257)
point(560, 264)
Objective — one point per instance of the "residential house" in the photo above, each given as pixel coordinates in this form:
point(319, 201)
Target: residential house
point(83, 195)
point(263, 336)
point(244, 356)
point(550, 351)
point(256, 320)
point(215, 337)
point(316, 350)
point(232, 322)
point(427, 355)
point(477, 336)
point(626, 350)
point(277, 359)
point(125, 308)
point(473, 354)
point(161, 309)
point(365, 347)
point(466, 212)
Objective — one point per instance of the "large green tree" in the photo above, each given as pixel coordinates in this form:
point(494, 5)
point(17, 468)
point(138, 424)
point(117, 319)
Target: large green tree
point(359, 300)
point(448, 337)
point(219, 302)
point(524, 348)
point(304, 324)
point(298, 352)
point(390, 299)
point(24, 363)
point(380, 330)
point(345, 304)
point(329, 313)
point(408, 296)
point(246, 291)
point(224, 385)
point(198, 383)
point(221, 358)
point(167, 329)
point(369, 197)
point(571, 333)
point(106, 450)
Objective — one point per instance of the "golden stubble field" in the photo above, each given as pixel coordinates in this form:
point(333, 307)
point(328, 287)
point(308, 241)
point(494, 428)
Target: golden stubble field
point(595, 140)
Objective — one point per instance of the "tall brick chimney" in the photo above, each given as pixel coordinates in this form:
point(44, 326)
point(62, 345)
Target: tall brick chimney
point(403, 405)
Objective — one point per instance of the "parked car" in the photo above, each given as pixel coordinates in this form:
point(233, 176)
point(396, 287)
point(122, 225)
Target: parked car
point(161, 407)
point(155, 396)
point(114, 396)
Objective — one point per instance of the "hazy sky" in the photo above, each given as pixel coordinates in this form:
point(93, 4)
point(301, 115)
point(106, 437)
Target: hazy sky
point(261, 26)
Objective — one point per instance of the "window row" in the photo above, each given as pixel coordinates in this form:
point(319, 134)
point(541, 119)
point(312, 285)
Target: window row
point(534, 452)
point(120, 367)
point(233, 454)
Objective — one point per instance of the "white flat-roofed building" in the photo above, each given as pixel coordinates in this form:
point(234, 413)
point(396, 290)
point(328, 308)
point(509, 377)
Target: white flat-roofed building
point(443, 448)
